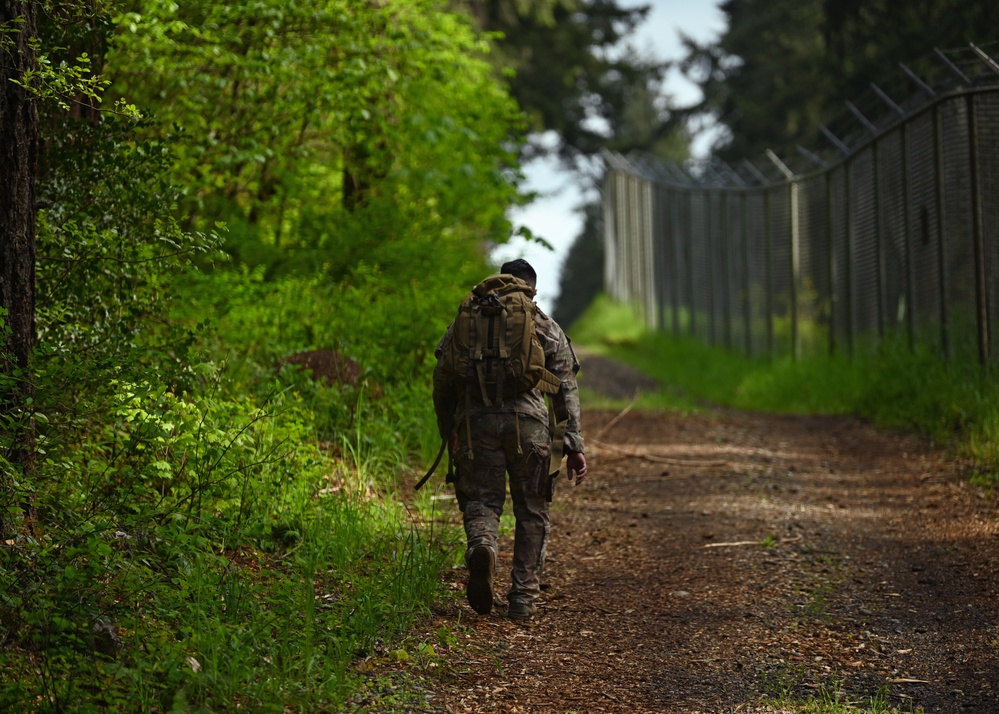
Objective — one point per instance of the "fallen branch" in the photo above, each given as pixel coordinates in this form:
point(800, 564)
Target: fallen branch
point(737, 543)
point(659, 459)
point(616, 419)
point(733, 544)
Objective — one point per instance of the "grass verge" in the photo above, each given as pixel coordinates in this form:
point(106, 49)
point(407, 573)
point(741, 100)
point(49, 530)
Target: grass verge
point(954, 403)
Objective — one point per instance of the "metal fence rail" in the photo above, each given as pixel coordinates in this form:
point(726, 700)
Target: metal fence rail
point(891, 226)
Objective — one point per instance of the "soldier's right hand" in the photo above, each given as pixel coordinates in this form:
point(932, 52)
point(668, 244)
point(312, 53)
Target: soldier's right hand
point(575, 466)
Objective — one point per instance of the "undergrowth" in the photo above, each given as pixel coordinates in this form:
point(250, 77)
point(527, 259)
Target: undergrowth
point(214, 534)
point(200, 552)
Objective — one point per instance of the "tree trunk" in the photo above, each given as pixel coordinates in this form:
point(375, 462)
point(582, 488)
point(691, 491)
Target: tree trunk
point(18, 161)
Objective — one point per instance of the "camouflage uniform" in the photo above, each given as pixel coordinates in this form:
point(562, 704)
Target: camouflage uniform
point(512, 437)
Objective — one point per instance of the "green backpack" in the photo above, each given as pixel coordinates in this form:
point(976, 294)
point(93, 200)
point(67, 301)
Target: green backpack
point(494, 353)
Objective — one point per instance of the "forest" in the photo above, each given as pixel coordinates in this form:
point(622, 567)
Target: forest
point(230, 237)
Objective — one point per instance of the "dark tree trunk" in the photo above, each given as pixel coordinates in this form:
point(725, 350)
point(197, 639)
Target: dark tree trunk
point(18, 157)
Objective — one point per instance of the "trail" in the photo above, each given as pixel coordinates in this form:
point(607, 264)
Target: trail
point(713, 562)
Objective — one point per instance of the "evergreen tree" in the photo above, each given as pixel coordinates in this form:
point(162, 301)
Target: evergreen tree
point(764, 80)
point(781, 68)
point(566, 68)
point(582, 270)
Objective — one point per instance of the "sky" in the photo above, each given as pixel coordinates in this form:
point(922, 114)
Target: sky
point(553, 215)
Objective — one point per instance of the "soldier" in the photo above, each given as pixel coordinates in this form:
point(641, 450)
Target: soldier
point(492, 438)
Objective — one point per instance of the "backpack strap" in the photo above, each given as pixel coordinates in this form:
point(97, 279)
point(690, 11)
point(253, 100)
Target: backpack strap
point(502, 352)
point(485, 310)
point(480, 374)
point(549, 383)
point(468, 425)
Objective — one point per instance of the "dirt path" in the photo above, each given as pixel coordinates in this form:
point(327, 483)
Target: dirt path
point(712, 562)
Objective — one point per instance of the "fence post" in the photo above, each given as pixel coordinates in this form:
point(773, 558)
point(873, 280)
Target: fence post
point(910, 261)
point(981, 287)
point(646, 255)
point(831, 257)
point(677, 287)
point(941, 238)
point(747, 290)
point(795, 268)
point(610, 228)
point(879, 241)
point(768, 241)
point(848, 266)
point(725, 242)
point(792, 185)
point(662, 256)
point(635, 247)
point(691, 317)
point(708, 264)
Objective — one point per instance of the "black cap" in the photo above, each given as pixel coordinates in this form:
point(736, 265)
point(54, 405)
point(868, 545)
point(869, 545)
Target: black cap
point(520, 268)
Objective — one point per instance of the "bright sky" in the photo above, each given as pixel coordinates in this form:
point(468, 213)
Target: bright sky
point(553, 216)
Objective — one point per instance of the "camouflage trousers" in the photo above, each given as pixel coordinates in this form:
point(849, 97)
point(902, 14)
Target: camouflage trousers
point(504, 444)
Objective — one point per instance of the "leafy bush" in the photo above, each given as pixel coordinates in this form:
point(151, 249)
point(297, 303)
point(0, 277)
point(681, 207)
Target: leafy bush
point(108, 244)
point(198, 550)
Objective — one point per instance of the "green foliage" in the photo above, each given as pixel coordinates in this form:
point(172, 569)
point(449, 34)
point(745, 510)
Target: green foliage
point(201, 551)
point(64, 73)
point(568, 71)
point(738, 77)
point(55, 74)
point(296, 114)
point(373, 273)
point(106, 232)
point(790, 694)
point(607, 323)
point(61, 83)
point(209, 529)
point(389, 326)
point(895, 384)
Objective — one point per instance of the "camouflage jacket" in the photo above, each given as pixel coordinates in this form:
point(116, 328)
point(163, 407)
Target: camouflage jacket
point(560, 360)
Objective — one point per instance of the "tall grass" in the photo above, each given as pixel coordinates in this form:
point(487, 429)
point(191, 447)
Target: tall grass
point(953, 403)
point(211, 553)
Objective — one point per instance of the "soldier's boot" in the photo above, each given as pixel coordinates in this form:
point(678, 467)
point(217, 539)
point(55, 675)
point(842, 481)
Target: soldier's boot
point(481, 571)
point(521, 610)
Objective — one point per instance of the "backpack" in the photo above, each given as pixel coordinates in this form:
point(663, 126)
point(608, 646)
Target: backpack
point(494, 353)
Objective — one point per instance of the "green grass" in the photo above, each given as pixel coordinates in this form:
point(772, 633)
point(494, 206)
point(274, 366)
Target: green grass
point(237, 561)
point(955, 404)
point(787, 689)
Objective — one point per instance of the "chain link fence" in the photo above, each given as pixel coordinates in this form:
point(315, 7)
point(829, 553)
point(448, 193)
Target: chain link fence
point(888, 224)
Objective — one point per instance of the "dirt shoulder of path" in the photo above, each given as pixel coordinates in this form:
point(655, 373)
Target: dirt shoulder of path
point(713, 562)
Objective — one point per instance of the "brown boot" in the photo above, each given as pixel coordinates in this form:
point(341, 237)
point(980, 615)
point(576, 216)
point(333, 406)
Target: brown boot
point(521, 610)
point(481, 571)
